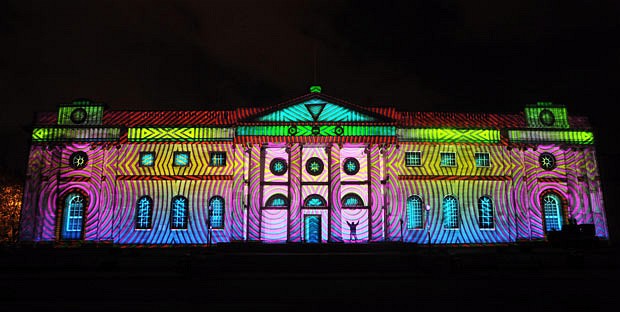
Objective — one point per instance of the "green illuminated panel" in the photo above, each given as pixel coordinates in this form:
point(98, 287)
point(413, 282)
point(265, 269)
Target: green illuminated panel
point(74, 134)
point(536, 136)
point(546, 115)
point(182, 134)
point(316, 130)
point(448, 135)
point(93, 114)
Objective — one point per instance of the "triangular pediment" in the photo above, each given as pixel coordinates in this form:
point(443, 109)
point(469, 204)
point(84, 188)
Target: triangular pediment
point(316, 110)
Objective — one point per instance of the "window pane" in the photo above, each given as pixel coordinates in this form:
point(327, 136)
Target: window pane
point(144, 213)
point(414, 213)
point(179, 213)
point(485, 213)
point(448, 159)
point(216, 210)
point(553, 219)
point(218, 159)
point(412, 159)
point(482, 160)
point(450, 213)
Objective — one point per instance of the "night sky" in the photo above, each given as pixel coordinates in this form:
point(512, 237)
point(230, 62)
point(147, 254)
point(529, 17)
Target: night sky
point(463, 56)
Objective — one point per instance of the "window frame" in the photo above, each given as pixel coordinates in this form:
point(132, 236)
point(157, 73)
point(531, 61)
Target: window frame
point(488, 159)
point(481, 222)
point(142, 154)
point(212, 212)
point(149, 216)
point(344, 166)
point(173, 214)
point(268, 203)
point(176, 154)
point(352, 195)
point(409, 210)
point(457, 213)
point(214, 154)
point(419, 153)
point(441, 159)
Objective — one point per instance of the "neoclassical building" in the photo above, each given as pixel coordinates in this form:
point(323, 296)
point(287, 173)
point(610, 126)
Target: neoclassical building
point(314, 169)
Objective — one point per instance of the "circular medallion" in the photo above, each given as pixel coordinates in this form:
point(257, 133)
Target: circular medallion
point(292, 130)
point(78, 160)
point(339, 131)
point(316, 130)
point(314, 166)
point(278, 166)
point(78, 115)
point(547, 161)
point(546, 117)
point(351, 166)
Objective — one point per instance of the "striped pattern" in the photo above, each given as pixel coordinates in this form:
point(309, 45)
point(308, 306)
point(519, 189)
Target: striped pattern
point(181, 134)
point(68, 134)
point(315, 139)
point(448, 135)
point(174, 177)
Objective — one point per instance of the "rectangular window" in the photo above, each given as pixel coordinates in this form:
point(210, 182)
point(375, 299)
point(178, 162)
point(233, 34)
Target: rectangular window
point(181, 159)
point(448, 159)
point(482, 160)
point(217, 159)
point(147, 159)
point(413, 159)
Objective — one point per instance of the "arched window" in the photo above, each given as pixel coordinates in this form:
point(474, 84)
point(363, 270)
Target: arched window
point(450, 212)
point(414, 212)
point(144, 213)
point(216, 212)
point(552, 210)
point(352, 200)
point(485, 213)
point(277, 200)
point(315, 200)
point(73, 216)
point(178, 214)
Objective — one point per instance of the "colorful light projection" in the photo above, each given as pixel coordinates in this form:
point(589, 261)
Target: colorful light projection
point(153, 188)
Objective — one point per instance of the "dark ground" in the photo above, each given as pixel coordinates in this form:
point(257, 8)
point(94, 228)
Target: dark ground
point(516, 277)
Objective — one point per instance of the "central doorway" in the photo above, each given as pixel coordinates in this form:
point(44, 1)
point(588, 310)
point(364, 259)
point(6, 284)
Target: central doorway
point(312, 228)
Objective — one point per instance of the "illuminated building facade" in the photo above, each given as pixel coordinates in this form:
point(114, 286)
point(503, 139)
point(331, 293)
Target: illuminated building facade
point(315, 169)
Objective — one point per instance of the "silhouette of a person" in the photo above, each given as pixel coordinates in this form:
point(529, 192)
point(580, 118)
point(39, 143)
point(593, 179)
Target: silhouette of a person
point(352, 230)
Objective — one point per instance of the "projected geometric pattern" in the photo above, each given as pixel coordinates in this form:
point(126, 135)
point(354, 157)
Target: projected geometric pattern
point(314, 169)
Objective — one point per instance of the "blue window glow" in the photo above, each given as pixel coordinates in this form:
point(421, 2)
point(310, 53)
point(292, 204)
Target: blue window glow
point(144, 213)
point(414, 212)
point(482, 159)
point(278, 166)
point(277, 200)
point(147, 159)
point(485, 213)
point(216, 212)
point(351, 166)
point(450, 212)
point(552, 210)
point(314, 166)
point(315, 200)
point(217, 159)
point(178, 215)
point(448, 159)
point(413, 159)
point(181, 159)
point(352, 200)
point(73, 216)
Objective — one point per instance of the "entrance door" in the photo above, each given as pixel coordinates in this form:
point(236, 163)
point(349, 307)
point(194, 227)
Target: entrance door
point(312, 228)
